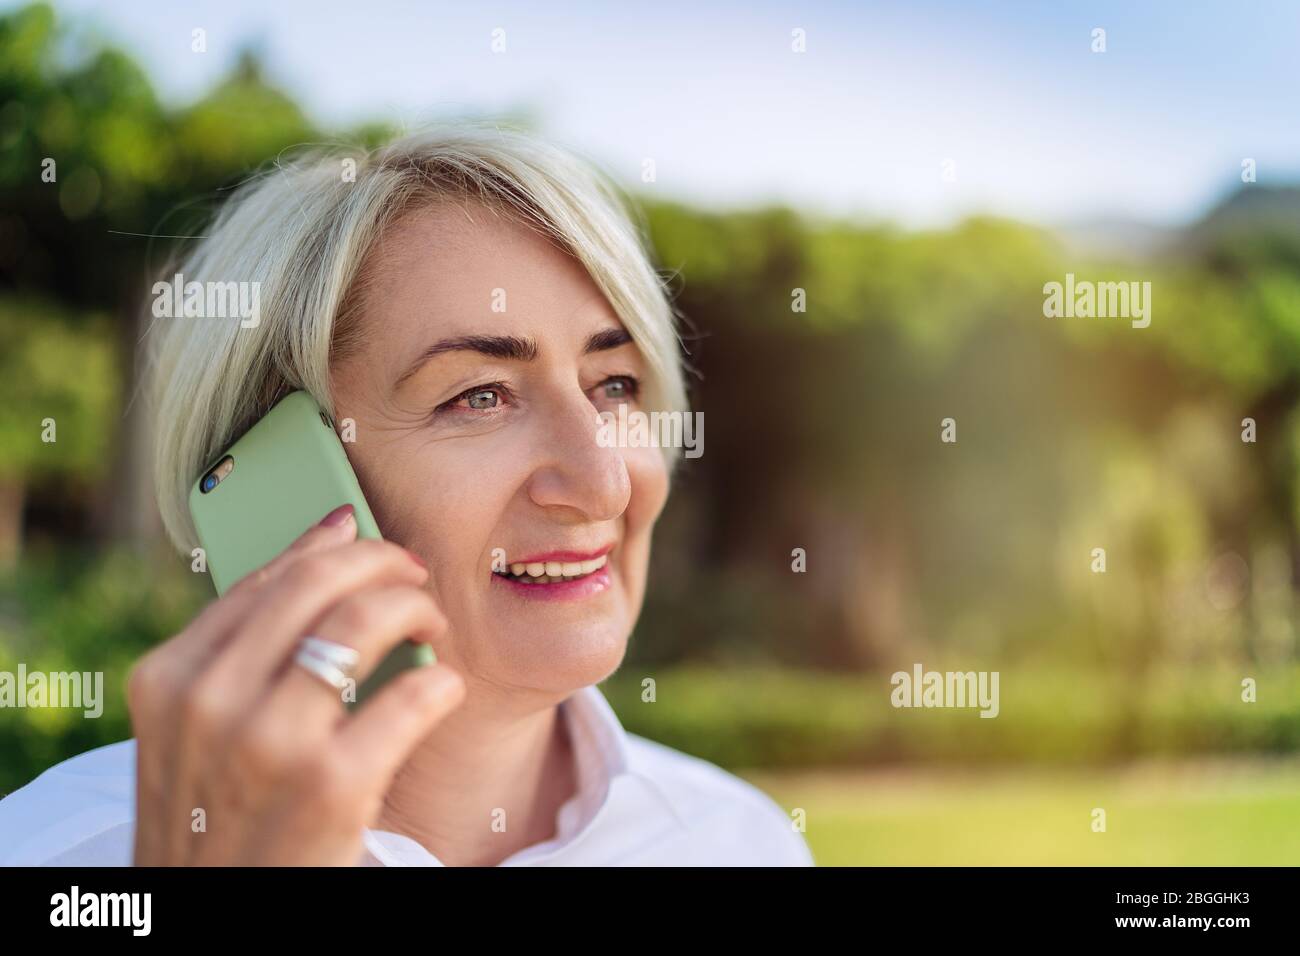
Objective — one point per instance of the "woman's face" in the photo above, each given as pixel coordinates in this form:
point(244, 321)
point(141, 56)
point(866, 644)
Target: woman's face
point(485, 356)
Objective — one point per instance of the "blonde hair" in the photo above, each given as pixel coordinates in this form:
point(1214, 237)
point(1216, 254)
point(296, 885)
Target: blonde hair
point(302, 230)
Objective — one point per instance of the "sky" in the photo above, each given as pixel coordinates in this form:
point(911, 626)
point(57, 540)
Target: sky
point(915, 112)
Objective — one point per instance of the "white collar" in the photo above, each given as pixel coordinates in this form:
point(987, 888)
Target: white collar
point(600, 755)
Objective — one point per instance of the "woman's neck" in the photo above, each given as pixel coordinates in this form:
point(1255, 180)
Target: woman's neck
point(487, 783)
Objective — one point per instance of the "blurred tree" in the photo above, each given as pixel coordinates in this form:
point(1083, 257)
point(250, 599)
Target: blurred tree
point(98, 181)
point(58, 378)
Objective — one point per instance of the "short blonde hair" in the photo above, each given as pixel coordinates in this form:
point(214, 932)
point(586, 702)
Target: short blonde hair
point(302, 230)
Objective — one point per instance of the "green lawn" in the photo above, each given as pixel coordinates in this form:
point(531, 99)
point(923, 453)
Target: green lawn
point(1186, 813)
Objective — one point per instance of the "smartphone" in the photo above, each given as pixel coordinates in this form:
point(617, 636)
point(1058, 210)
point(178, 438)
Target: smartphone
point(285, 474)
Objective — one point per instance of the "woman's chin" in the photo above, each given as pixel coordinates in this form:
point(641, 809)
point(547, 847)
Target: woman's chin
point(562, 662)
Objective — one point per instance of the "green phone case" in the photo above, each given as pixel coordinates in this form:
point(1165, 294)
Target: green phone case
point(290, 470)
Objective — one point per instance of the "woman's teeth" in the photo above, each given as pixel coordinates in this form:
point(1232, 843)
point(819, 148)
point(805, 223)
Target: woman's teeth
point(552, 572)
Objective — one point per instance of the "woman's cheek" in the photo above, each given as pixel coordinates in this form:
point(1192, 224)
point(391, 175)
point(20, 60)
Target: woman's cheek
point(457, 502)
point(648, 476)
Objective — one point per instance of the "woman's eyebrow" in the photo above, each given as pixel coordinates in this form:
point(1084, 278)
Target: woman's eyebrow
point(494, 346)
point(510, 347)
point(607, 339)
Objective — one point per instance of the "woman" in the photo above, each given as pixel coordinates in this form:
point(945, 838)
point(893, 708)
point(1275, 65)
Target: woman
point(472, 302)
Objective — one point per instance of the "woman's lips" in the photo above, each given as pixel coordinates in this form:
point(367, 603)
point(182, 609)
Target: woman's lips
point(565, 589)
point(537, 572)
point(559, 575)
point(562, 557)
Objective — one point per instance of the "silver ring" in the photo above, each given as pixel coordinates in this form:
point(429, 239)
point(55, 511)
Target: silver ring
point(340, 655)
point(333, 663)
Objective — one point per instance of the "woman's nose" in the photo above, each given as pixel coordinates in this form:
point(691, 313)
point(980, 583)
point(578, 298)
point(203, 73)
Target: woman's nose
point(575, 471)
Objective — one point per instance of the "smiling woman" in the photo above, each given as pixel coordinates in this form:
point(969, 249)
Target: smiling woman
point(471, 303)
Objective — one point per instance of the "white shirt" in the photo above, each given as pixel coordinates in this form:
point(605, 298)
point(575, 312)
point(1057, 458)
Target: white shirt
point(638, 803)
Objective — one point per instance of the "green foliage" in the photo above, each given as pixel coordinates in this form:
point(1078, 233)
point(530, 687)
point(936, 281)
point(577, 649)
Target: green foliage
point(83, 613)
point(53, 367)
point(742, 717)
point(242, 124)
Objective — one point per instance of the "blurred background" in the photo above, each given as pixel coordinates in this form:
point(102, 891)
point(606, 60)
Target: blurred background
point(921, 171)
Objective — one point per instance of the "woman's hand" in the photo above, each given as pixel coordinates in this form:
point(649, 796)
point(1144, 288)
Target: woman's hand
point(227, 724)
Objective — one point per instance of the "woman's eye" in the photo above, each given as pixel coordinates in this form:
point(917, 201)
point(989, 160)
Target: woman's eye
point(620, 388)
point(482, 398)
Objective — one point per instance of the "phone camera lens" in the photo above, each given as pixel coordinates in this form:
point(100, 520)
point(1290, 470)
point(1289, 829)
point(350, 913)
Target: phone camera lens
point(209, 482)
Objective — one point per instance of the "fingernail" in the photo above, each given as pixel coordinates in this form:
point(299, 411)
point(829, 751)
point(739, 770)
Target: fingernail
point(417, 559)
point(339, 516)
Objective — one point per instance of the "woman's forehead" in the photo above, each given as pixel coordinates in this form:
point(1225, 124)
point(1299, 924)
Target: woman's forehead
point(490, 274)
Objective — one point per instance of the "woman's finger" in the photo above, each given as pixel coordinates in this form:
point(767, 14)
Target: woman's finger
point(284, 610)
point(370, 622)
point(337, 527)
point(190, 649)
